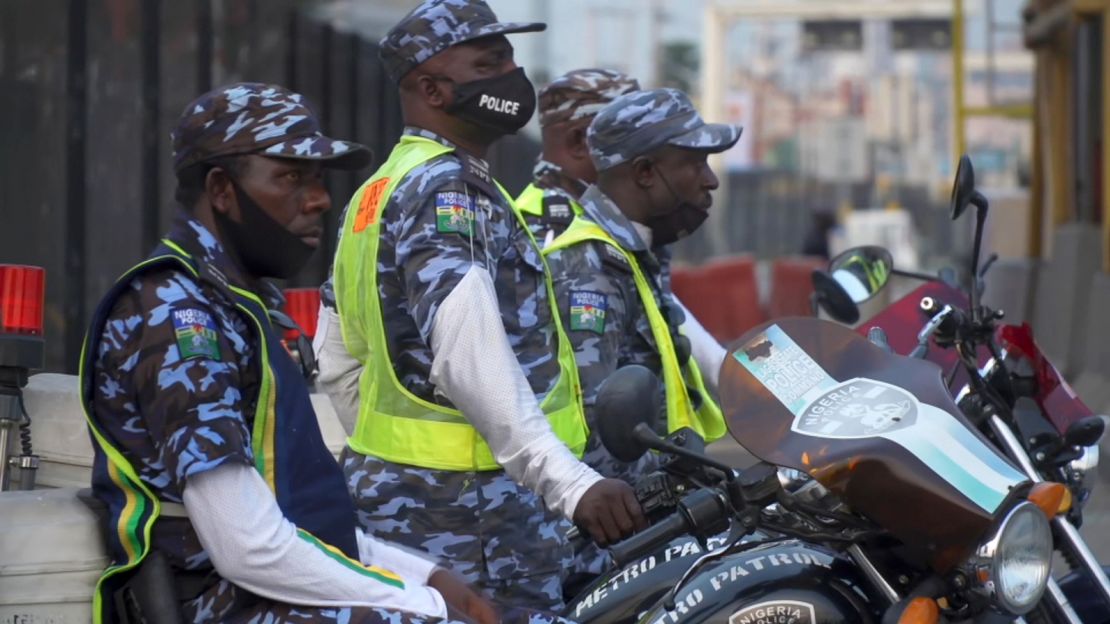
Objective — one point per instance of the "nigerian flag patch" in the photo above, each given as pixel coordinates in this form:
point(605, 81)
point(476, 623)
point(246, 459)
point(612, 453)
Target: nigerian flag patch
point(454, 213)
point(196, 334)
point(587, 311)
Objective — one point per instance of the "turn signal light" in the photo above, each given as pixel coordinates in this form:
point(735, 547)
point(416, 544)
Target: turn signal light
point(1065, 505)
point(22, 290)
point(1049, 497)
point(303, 306)
point(920, 611)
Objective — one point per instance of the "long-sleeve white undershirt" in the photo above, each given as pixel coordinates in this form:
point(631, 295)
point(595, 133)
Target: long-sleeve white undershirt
point(475, 367)
point(253, 545)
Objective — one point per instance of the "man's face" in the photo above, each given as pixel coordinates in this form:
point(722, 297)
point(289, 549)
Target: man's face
point(688, 174)
point(290, 191)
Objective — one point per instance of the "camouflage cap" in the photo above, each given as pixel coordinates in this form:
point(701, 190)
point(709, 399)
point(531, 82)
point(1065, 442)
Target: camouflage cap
point(436, 25)
point(256, 118)
point(639, 122)
point(581, 94)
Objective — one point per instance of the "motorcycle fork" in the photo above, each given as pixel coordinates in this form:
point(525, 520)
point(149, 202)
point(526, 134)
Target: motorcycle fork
point(1067, 538)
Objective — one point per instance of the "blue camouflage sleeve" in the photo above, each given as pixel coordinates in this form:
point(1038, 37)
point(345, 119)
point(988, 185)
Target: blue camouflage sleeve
point(596, 306)
point(192, 375)
point(440, 227)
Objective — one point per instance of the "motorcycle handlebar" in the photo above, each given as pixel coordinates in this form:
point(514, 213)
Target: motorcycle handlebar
point(701, 512)
point(649, 539)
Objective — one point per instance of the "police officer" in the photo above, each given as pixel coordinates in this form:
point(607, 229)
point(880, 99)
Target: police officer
point(564, 170)
point(467, 393)
point(611, 266)
point(208, 456)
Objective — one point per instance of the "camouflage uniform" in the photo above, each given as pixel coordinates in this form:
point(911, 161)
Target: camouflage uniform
point(495, 533)
point(178, 418)
point(575, 96)
point(623, 336)
point(619, 333)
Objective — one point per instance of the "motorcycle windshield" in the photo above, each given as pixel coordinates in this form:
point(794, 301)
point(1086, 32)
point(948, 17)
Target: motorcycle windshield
point(878, 430)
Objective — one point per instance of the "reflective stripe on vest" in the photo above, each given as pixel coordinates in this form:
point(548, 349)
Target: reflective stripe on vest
point(298, 468)
point(708, 420)
point(393, 423)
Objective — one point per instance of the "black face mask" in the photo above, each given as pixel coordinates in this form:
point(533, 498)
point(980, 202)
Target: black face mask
point(263, 246)
point(502, 104)
point(679, 223)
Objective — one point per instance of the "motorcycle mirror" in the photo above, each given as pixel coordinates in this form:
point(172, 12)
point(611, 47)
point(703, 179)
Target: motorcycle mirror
point(1085, 432)
point(862, 271)
point(834, 299)
point(963, 188)
point(631, 396)
point(964, 194)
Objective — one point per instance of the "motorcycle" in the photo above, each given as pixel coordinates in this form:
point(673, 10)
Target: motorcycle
point(1001, 381)
point(875, 499)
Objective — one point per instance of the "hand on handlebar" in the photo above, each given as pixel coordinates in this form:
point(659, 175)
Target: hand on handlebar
point(609, 511)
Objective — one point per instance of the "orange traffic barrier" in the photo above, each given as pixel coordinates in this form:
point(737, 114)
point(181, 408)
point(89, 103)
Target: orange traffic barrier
point(723, 295)
point(303, 306)
point(792, 285)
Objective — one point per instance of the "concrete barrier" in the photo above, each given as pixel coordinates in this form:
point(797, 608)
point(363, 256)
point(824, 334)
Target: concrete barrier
point(61, 439)
point(1061, 303)
point(1093, 383)
point(1010, 285)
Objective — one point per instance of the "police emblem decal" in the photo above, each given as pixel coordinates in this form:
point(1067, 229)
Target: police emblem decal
point(776, 612)
point(196, 334)
point(859, 408)
point(587, 311)
point(454, 213)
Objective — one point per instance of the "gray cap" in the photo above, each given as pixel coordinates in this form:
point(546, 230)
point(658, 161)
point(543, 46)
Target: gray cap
point(256, 118)
point(436, 25)
point(581, 94)
point(642, 121)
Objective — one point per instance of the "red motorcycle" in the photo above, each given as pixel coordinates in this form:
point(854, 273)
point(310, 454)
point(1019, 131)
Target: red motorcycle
point(1002, 383)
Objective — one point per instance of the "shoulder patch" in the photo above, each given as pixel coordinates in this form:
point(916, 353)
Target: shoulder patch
point(475, 171)
point(615, 254)
point(454, 213)
point(613, 257)
point(196, 334)
point(557, 208)
point(587, 311)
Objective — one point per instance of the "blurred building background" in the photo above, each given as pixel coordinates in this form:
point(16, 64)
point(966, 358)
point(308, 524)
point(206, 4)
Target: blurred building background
point(854, 114)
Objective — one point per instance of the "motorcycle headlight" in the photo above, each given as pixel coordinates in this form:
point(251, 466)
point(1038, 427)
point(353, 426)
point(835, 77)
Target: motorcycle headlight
point(1013, 566)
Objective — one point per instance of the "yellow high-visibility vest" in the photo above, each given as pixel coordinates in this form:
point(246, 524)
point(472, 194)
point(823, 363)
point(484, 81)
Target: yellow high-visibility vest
point(394, 424)
point(707, 420)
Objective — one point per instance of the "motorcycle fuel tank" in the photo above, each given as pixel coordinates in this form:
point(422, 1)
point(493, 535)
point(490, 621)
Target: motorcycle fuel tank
point(783, 582)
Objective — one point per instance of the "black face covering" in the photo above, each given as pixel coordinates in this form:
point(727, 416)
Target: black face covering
point(263, 246)
point(679, 223)
point(502, 104)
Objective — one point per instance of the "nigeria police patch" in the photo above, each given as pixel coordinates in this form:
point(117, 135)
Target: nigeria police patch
point(454, 213)
point(587, 311)
point(196, 334)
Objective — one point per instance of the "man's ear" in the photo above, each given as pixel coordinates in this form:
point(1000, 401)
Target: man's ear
point(220, 192)
point(432, 91)
point(576, 143)
point(643, 172)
